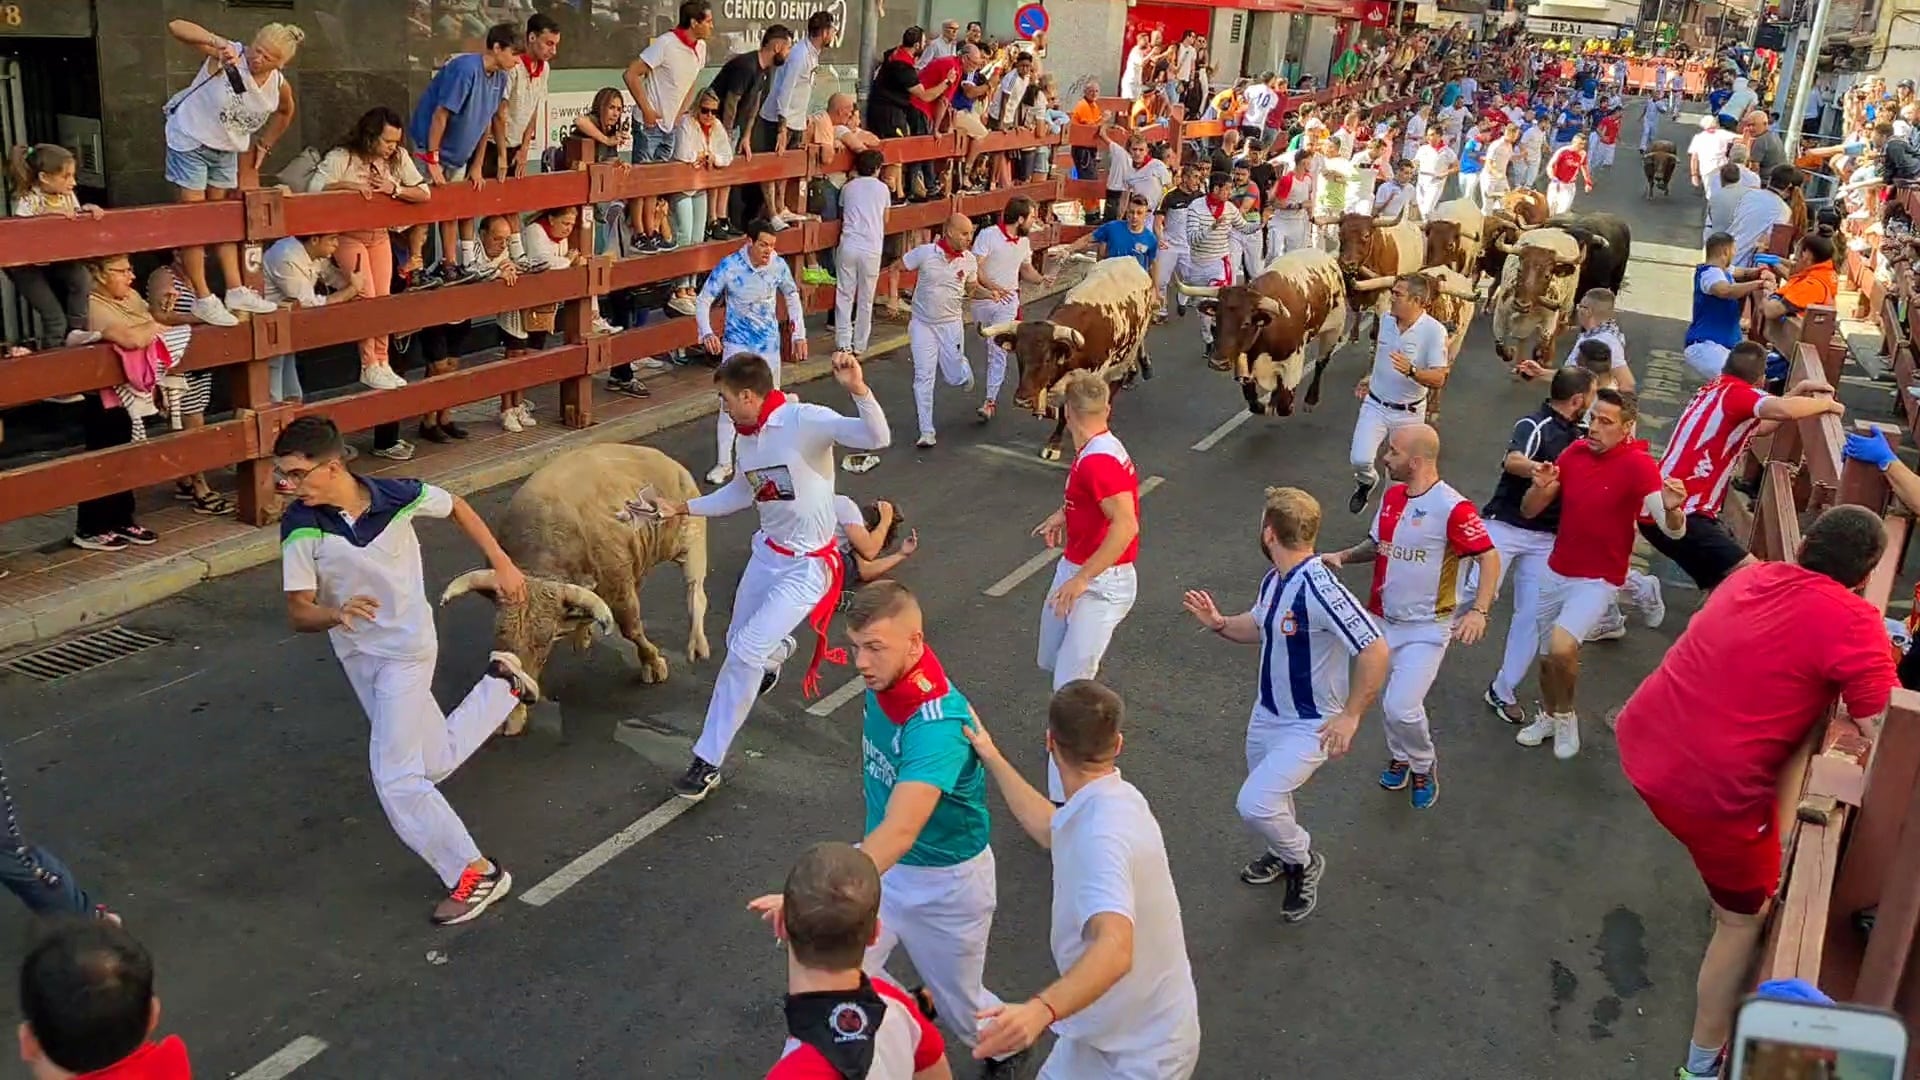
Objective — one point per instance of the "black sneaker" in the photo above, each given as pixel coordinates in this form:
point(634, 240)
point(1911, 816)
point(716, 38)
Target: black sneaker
point(474, 893)
point(699, 779)
point(1264, 870)
point(1511, 712)
point(1303, 888)
point(924, 1000)
point(1361, 493)
point(506, 666)
point(105, 541)
point(772, 678)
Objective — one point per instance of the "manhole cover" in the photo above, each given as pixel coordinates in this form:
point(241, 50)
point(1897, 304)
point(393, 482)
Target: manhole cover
point(81, 654)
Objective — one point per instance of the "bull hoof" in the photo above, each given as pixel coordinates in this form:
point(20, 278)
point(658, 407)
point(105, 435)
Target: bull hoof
point(653, 669)
point(1217, 365)
point(1049, 453)
point(697, 648)
point(516, 723)
point(1254, 408)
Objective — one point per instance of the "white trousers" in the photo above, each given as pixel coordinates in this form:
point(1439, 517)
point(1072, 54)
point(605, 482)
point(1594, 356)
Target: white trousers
point(415, 746)
point(1492, 188)
point(1288, 230)
point(1426, 194)
point(988, 313)
point(1280, 759)
point(1470, 187)
point(1706, 359)
point(1603, 154)
point(1370, 429)
point(1247, 255)
point(775, 595)
point(1212, 271)
point(1523, 557)
point(1559, 197)
point(936, 346)
point(856, 276)
point(1171, 260)
point(942, 915)
point(1072, 1059)
point(724, 431)
point(1072, 648)
point(1416, 649)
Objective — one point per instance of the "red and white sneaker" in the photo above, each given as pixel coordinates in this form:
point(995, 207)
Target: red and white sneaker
point(986, 411)
point(474, 893)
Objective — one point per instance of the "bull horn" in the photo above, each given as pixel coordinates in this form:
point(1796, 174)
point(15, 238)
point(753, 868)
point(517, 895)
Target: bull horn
point(587, 600)
point(1369, 284)
point(1448, 290)
point(1395, 221)
point(1210, 292)
point(1069, 335)
point(472, 581)
point(1505, 248)
point(999, 329)
point(1596, 240)
point(1269, 305)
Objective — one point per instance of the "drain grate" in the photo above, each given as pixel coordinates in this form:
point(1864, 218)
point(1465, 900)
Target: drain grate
point(82, 654)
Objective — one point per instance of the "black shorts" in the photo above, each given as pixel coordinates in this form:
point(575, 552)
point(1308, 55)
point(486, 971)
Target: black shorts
point(765, 135)
point(1707, 551)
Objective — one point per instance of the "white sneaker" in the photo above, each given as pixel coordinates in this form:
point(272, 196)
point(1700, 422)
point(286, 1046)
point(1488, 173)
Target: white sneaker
point(510, 420)
point(400, 451)
point(1653, 606)
point(209, 310)
point(1535, 732)
point(602, 326)
point(1611, 627)
point(526, 415)
point(719, 474)
point(77, 338)
point(926, 440)
point(241, 298)
point(1566, 735)
point(381, 377)
point(681, 304)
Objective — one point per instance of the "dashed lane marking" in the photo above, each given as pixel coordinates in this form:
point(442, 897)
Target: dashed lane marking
point(286, 1059)
point(1045, 558)
point(826, 705)
point(1213, 437)
point(1025, 457)
point(604, 852)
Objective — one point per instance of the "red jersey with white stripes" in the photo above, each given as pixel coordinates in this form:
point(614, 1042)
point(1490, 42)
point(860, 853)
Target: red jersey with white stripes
point(1417, 577)
point(1100, 471)
point(1708, 438)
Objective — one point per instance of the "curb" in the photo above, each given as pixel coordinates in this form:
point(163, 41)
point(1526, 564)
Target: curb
point(115, 595)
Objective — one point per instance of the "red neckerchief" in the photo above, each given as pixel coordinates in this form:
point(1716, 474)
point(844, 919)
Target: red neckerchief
point(947, 249)
point(686, 39)
point(772, 401)
point(1216, 208)
point(546, 225)
point(1011, 239)
point(535, 68)
point(925, 681)
point(706, 123)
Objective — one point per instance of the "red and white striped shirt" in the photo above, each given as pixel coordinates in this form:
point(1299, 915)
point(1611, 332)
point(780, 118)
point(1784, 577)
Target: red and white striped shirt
point(1708, 438)
point(1417, 576)
point(1101, 471)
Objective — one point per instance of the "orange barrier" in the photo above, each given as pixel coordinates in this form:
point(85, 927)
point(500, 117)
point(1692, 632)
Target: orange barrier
point(241, 352)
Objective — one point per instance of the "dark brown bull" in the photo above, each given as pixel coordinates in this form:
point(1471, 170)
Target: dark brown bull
point(1372, 248)
point(1658, 163)
point(1263, 329)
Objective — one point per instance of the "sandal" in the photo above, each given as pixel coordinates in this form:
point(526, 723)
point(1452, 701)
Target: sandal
point(213, 504)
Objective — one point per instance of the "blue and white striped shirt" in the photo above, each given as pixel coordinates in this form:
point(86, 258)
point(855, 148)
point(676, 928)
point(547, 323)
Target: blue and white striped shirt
point(1310, 627)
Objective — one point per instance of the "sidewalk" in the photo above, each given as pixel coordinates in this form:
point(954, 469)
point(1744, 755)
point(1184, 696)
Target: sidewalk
point(52, 588)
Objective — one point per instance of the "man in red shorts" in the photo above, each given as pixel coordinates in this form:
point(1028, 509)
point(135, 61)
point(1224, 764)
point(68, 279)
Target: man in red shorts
point(1710, 739)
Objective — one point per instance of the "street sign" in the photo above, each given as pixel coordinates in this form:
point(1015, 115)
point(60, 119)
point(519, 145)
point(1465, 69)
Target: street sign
point(1030, 20)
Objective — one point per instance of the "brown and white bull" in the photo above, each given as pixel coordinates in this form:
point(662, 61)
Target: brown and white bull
point(1528, 206)
point(1536, 294)
point(1101, 326)
point(1451, 301)
point(1372, 249)
point(1264, 329)
point(1455, 233)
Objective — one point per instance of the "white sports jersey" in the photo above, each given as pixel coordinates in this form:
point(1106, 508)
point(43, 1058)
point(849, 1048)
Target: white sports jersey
point(785, 471)
point(1423, 539)
point(1001, 256)
point(1310, 626)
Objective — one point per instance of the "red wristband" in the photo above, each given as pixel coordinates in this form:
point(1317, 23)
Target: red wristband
point(1051, 1012)
point(431, 157)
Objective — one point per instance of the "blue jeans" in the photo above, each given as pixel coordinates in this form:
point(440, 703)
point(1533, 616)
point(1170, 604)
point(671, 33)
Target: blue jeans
point(651, 145)
point(689, 218)
point(43, 882)
point(283, 378)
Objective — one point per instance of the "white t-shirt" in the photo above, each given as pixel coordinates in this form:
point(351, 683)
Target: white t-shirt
point(214, 116)
point(1390, 199)
point(1616, 346)
point(1001, 256)
point(1498, 160)
point(942, 284)
point(1754, 217)
point(1433, 162)
point(863, 215)
point(690, 140)
point(376, 555)
point(846, 512)
point(1423, 540)
point(1110, 858)
point(792, 87)
point(1424, 343)
point(1150, 181)
point(526, 94)
point(1709, 149)
point(1005, 103)
point(675, 68)
point(785, 472)
point(1260, 101)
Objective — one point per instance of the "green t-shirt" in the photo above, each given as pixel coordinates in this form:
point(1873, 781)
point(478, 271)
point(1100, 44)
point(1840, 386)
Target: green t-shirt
point(930, 748)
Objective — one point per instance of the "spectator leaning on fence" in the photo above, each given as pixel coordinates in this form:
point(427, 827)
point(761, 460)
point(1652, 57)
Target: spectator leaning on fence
point(700, 141)
point(43, 177)
point(372, 160)
point(548, 239)
point(117, 311)
point(526, 98)
point(238, 102)
point(742, 84)
point(88, 1008)
point(296, 267)
point(661, 82)
point(454, 120)
point(783, 117)
point(170, 300)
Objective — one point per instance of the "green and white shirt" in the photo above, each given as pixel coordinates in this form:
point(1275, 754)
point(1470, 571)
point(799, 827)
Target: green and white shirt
point(913, 731)
point(377, 555)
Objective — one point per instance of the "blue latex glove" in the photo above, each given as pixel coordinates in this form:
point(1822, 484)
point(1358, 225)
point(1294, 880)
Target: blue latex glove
point(1872, 449)
point(1793, 990)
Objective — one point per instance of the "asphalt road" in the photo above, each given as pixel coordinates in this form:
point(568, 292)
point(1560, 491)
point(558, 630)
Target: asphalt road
point(1535, 923)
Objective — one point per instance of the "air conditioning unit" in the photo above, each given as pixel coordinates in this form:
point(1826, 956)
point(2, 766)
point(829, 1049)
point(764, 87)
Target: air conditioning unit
point(81, 136)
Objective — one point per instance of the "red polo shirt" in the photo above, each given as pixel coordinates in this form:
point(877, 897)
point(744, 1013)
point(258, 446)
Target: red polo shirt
point(932, 75)
point(163, 1060)
point(1601, 496)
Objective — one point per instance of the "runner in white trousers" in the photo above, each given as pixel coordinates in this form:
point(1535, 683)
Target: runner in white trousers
point(1005, 257)
point(350, 565)
point(1124, 1006)
point(1410, 359)
point(1291, 226)
point(1423, 595)
point(1098, 525)
point(1308, 627)
point(750, 279)
point(948, 275)
point(794, 572)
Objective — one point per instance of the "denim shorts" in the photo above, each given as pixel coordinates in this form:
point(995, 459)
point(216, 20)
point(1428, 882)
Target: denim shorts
point(652, 145)
point(203, 167)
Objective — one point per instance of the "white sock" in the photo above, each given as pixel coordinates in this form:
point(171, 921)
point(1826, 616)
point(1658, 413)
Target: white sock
point(469, 253)
point(515, 247)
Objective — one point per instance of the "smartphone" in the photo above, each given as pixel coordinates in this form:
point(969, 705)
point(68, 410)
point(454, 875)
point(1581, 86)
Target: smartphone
point(234, 81)
point(1792, 1038)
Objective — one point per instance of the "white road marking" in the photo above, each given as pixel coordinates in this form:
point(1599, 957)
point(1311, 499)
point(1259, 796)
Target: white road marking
point(1022, 456)
point(286, 1060)
point(826, 705)
point(604, 852)
point(1045, 558)
point(1213, 437)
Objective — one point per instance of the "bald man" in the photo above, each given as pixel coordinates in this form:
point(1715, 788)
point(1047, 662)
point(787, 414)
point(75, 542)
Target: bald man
point(949, 276)
point(1422, 595)
point(1765, 151)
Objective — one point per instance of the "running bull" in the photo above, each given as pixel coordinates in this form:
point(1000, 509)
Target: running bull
point(1373, 250)
point(1536, 294)
point(1454, 235)
point(1101, 327)
point(1264, 328)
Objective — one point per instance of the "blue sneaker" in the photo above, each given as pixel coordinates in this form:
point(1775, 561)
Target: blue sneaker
point(1394, 776)
point(1425, 790)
